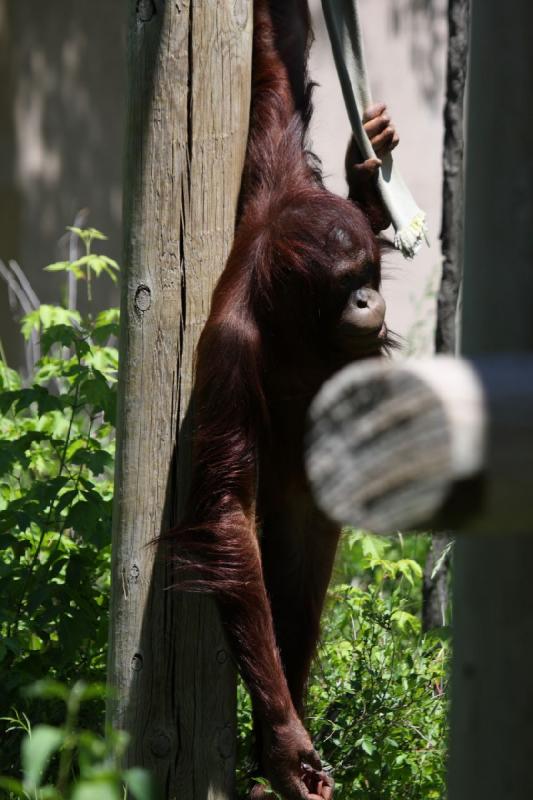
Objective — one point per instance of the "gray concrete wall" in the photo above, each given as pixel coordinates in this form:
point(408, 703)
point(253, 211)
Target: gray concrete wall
point(61, 118)
point(61, 123)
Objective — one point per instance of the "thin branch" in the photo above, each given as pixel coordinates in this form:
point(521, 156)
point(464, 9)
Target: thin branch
point(34, 354)
point(74, 252)
point(25, 284)
point(15, 287)
point(21, 289)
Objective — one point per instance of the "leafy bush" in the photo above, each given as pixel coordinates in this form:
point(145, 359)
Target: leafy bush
point(377, 702)
point(60, 753)
point(377, 707)
point(56, 461)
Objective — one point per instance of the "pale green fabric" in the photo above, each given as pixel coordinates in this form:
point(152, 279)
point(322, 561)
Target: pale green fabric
point(342, 21)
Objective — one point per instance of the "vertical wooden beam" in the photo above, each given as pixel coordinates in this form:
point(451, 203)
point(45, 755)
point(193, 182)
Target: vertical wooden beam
point(492, 697)
point(189, 93)
point(435, 588)
point(452, 228)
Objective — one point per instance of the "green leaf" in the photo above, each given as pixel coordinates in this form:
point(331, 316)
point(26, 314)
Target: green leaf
point(49, 793)
point(48, 689)
point(37, 751)
point(13, 786)
point(440, 635)
point(140, 783)
point(47, 315)
point(366, 744)
point(405, 620)
point(97, 393)
point(96, 264)
point(108, 789)
point(40, 594)
point(22, 399)
point(16, 451)
point(96, 234)
point(85, 518)
point(66, 499)
point(409, 569)
point(30, 322)
point(83, 261)
point(65, 336)
point(66, 266)
point(103, 333)
point(78, 231)
point(92, 691)
point(87, 233)
point(58, 266)
point(110, 262)
point(107, 317)
point(76, 271)
point(9, 378)
point(96, 461)
point(373, 546)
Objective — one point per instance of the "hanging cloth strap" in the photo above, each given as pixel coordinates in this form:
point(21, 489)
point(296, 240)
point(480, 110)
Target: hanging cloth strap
point(409, 221)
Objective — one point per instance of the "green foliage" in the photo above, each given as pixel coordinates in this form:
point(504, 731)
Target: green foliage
point(377, 707)
point(56, 472)
point(69, 763)
point(89, 264)
point(377, 700)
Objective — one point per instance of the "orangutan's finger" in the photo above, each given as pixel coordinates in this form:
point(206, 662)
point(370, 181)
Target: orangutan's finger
point(326, 792)
point(368, 169)
point(382, 142)
point(373, 112)
point(311, 758)
point(377, 125)
point(395, 141)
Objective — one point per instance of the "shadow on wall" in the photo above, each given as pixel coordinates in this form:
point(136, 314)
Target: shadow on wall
point(62, 128)
point(9, 194)
point(420, 22)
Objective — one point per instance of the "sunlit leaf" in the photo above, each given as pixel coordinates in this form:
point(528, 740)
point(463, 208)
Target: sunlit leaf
point(97, 790)
point(37, 751)
point(140, 783)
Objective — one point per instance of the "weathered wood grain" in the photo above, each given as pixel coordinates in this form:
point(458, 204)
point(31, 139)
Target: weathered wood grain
point(452, 227)
point(189, 92)
point(418, 444)
point(492, 693)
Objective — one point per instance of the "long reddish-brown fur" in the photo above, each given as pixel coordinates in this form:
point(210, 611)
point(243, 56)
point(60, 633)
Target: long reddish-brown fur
point(264, 352)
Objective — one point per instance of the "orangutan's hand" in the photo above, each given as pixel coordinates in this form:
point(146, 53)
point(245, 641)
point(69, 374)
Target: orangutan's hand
point(361, 174)
point(380, 130)
point(292, 764)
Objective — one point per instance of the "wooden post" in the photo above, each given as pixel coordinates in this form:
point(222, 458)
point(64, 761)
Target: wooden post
point(492, 693)
point(189, 93)
point(424, 444)
point(452, 229)
point(435, 603)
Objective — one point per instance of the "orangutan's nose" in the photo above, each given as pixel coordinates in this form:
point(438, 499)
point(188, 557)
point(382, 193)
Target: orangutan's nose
point(369, 309)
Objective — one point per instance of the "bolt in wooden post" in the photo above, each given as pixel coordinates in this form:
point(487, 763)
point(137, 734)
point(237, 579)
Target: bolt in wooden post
point(189, 94)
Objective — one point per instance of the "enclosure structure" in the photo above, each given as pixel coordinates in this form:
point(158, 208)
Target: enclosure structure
point(188, 107)
point(189, 68)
